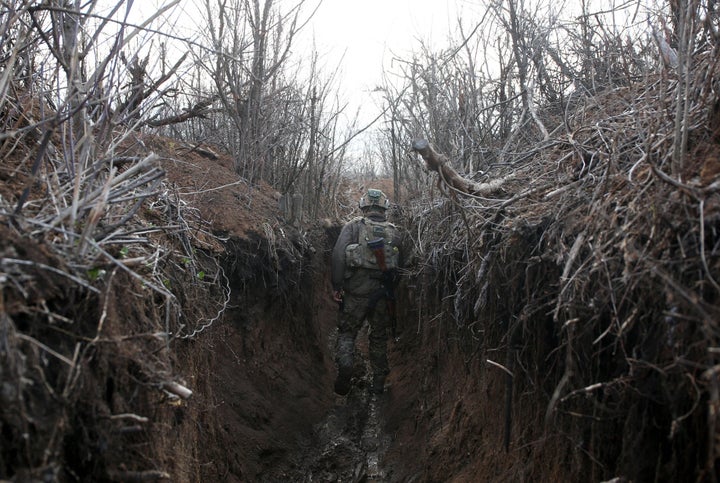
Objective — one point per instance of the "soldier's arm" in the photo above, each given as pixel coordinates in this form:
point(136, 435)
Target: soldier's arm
point(338, 256)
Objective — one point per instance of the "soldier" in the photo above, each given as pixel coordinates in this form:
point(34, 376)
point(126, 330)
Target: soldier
point(364, 271)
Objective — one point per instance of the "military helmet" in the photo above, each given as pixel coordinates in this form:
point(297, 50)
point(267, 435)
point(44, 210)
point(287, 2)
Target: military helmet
point(374, 199)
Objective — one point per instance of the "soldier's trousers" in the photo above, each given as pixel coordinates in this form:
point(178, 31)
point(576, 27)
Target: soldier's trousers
point(350, 321)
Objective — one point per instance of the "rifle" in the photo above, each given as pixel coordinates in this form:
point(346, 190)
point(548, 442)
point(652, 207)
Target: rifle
point(378, 248)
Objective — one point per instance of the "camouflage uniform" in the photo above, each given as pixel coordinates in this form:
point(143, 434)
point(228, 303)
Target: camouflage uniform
point(361, 287)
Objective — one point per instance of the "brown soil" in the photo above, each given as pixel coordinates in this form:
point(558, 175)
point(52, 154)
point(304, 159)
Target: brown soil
point(267, 366)
point(265, 374)
point(84, 369)
point(262, 408)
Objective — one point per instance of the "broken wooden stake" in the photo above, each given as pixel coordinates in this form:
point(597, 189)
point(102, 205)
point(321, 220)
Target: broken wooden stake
point(177, 389)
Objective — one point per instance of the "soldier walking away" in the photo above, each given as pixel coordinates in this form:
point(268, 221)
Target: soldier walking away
point(365, 260)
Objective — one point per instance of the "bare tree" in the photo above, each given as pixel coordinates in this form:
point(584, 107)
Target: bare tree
point(251, 41)
point(507, 81)
point(280, 119)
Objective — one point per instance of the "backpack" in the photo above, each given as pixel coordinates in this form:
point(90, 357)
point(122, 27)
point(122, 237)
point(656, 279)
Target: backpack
point(360, 255)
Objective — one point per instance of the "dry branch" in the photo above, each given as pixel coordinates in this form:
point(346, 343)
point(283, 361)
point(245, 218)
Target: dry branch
point(201, 109)
point(439, 163)
point(177, 389)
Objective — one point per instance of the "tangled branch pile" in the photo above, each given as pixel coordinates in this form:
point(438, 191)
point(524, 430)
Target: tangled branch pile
point(595, 269)
point(104, 268)
point(101, 273)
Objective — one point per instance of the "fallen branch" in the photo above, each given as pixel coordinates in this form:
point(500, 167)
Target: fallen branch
point(439, 163)
point(201, 109)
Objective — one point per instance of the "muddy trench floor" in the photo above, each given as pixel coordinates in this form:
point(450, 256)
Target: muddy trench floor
point(347, 445)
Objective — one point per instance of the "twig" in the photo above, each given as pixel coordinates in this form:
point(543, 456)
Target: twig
point(51, 269)
point(216, 188)
point(500, 366)
point(134, 417)
point(138, 476)
point(50, 351)
point(567, 375)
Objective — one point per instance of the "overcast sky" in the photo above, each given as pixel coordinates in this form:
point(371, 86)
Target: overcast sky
point(362, 38)
point(357, 38)
point(366, 35)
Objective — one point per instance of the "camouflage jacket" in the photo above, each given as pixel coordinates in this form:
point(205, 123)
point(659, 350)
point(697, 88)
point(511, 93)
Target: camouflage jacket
point(354, 268)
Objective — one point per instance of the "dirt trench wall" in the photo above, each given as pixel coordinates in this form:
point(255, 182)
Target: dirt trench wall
point(83, 367)
point(467, 419)
point(266, 377)
point(586, 402)
point(83, 371)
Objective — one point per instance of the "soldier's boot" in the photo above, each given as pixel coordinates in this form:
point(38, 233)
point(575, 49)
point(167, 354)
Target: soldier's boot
point(345, 356)
point(378, 384)
point(380, 371)
point(343, 381)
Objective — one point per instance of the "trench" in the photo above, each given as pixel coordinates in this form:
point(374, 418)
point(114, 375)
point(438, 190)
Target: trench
point(272, 370)
point(263, 407)
point(274, 373)
point(451, 412)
